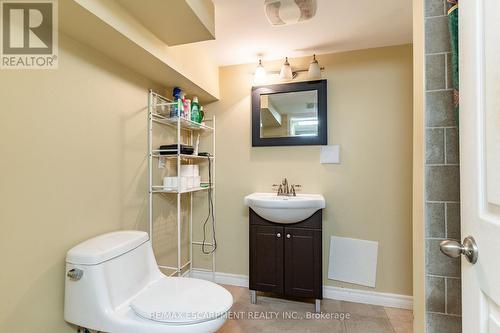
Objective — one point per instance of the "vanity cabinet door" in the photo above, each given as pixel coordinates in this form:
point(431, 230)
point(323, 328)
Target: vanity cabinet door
point(266, 258)
point(303, 272)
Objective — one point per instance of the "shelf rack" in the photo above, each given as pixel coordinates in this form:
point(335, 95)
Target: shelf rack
point(157, 103)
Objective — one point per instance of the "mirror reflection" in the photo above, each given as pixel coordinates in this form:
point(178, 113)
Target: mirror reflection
point(290, 114)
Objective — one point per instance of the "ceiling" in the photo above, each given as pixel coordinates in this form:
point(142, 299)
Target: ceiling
point(243, 34)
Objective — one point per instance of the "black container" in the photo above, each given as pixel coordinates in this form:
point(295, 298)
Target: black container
point(172, 149)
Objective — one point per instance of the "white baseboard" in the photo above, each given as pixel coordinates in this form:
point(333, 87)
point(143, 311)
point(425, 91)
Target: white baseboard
point(330, 292)
point(368, 297)
point(223, 278)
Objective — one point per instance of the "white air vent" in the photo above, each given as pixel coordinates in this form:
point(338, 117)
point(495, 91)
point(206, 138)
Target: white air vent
point(281, 12)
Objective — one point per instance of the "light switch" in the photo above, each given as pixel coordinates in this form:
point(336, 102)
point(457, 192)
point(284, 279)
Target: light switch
point(330, 154)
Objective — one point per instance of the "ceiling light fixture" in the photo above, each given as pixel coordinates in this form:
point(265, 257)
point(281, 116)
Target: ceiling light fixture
point(286, 71)
point(282, 12)
point(260, 75)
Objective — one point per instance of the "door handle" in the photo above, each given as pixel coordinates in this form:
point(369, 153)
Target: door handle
point(454, 249)
point(288, 236)
point(278, 235)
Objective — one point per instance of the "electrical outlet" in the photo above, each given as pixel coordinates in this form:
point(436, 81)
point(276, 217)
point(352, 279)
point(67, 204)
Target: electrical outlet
point(161, 163)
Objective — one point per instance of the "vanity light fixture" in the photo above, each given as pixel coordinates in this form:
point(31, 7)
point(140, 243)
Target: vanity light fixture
point(260, 75)
point(314, 71)
point(286, 71)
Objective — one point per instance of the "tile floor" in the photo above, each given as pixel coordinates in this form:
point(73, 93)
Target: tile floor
point(363, 318)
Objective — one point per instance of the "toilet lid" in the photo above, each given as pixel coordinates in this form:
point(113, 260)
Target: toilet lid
point(179, 300)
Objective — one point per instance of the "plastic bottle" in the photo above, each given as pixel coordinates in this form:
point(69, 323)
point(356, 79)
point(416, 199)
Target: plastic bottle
point(184, 105)
point(176, 93)
point(187, 109)
point(195, 110)
point(201, 115)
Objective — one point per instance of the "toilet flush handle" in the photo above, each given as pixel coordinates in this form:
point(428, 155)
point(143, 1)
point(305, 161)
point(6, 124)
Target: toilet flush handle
point(75, 274)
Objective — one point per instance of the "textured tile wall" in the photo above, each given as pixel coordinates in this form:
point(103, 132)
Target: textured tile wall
point(442, 216)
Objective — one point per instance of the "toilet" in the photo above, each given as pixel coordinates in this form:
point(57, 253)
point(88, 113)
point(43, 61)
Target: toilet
point(113, 284)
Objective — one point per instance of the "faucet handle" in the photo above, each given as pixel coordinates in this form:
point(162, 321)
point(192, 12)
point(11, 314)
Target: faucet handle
point(297, 187)
point(276, 187)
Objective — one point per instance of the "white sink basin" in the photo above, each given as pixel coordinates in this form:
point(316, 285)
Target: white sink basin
point(281, 209)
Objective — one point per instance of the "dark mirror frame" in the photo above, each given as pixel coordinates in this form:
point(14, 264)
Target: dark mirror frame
point(321, 139)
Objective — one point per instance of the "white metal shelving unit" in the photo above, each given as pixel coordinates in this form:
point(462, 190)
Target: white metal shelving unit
point(181, 125)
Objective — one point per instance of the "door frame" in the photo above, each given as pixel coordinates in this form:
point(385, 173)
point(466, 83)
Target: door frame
point(418, 204)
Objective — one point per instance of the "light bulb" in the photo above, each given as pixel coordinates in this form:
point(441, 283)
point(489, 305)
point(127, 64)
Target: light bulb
point(286, 71)
point(260, 75)
point(289, 11)
point(314, 71)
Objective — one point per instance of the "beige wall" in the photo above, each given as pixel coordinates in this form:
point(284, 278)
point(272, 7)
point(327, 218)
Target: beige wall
point(73, 165)
point(368, 195)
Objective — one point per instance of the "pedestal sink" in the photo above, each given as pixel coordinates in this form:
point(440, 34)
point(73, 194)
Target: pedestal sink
point(284, 209)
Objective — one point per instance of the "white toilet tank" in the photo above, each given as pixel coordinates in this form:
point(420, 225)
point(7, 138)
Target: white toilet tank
point(104, 272)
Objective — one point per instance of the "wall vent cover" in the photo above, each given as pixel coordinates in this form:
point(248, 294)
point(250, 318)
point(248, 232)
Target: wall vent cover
point(310, 105)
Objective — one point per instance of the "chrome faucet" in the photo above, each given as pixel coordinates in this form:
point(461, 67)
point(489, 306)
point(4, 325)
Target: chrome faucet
point(286, 190)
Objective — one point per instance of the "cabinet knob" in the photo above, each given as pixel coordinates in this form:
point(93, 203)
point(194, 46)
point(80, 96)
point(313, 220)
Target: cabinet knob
point(288, 236)
point(278, 235)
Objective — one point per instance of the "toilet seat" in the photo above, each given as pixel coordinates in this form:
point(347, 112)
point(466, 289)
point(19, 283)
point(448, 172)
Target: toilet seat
point(182, 301)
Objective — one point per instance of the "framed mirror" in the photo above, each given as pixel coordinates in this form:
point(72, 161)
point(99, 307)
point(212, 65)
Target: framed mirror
point(290, 114)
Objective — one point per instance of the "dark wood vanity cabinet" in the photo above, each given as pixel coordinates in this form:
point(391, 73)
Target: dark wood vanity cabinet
point(286, 258)
point(266, 258)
